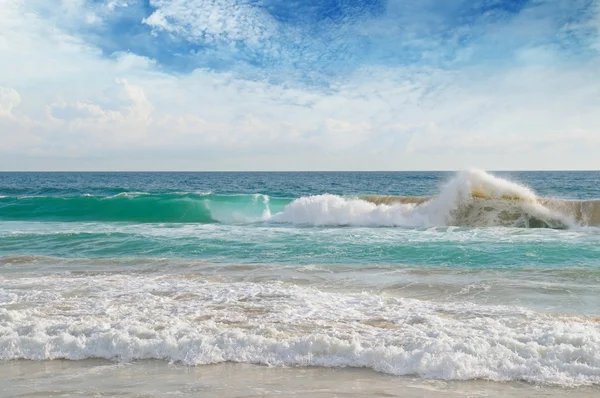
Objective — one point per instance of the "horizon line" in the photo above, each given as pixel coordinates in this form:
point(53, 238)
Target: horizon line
point(297, 171)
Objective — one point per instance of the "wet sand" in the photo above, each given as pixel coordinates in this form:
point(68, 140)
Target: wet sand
point(100, 378)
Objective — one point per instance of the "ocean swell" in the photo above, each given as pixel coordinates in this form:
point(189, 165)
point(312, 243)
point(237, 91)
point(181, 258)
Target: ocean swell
point(140, 207)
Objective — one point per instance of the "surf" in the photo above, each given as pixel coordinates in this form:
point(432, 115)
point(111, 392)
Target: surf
point(273, 323)
point(472, 198)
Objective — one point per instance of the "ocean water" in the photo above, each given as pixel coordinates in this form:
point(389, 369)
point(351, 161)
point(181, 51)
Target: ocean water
point(468, 276)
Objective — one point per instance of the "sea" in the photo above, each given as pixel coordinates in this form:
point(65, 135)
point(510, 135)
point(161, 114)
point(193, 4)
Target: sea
point(304, 284)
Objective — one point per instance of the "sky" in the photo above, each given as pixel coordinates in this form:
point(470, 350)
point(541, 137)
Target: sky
point(299, 84)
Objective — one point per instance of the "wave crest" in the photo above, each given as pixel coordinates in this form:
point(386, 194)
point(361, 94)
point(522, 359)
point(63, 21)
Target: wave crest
point(142, 207)
point(473, 198)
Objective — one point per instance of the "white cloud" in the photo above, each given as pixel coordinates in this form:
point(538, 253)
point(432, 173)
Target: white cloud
point(9, 98)
point(212, 20)
point(68, 106)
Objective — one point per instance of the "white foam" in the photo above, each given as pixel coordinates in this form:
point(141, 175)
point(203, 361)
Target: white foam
point(195, 193)
point(191, 320)
point(472, 198)
point(129, 195)
point(336, 210)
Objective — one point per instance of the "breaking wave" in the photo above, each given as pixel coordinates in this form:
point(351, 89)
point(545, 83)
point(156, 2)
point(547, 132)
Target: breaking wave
point(472, 198)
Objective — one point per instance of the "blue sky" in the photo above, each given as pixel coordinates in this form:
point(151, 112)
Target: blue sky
point(299, 85)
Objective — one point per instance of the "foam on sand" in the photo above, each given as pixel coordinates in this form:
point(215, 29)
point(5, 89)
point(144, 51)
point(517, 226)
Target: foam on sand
point(194, 321)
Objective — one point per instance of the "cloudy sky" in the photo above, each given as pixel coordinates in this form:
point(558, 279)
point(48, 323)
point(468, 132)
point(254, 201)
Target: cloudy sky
point(299, 84)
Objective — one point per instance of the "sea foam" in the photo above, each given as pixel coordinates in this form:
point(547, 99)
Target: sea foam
point(472, 198)
point(196, 321)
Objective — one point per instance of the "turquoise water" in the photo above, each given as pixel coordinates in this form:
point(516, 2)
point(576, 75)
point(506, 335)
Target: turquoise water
point(300, 269)
point(219, 217)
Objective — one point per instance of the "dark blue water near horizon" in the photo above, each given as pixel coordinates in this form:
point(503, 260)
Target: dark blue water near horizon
point(562, 184)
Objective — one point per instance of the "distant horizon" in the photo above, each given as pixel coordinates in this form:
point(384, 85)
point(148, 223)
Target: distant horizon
point(294, 171)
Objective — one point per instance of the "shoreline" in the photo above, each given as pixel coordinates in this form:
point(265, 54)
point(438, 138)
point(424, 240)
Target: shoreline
point(159, 378)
